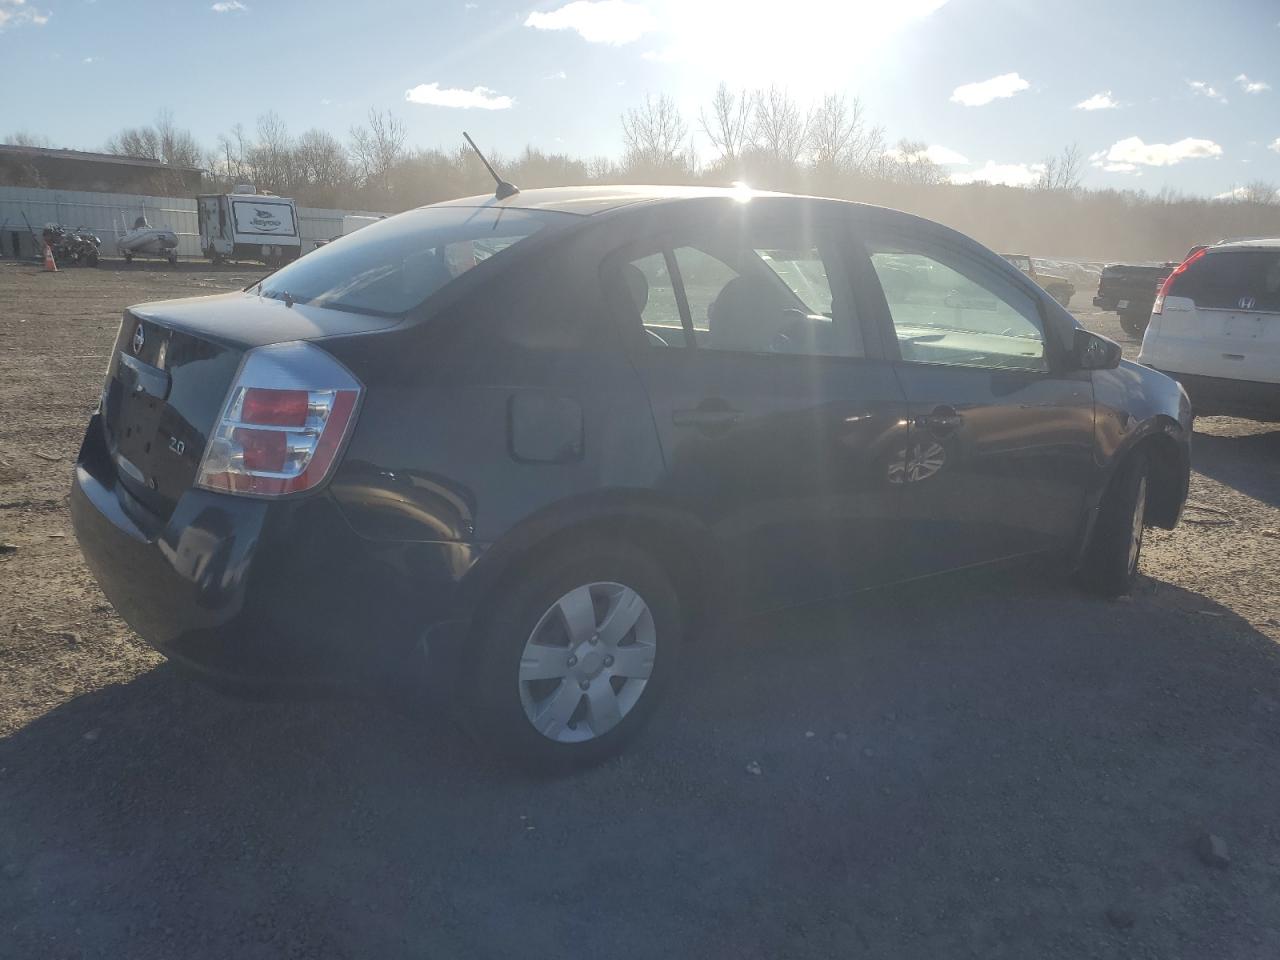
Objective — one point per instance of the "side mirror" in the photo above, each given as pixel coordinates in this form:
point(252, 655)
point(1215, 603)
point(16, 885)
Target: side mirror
point(1092, 351)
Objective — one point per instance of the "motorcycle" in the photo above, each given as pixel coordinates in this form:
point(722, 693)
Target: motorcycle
point(79, 246)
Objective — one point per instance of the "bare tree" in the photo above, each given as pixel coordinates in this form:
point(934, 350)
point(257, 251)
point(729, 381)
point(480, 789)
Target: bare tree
point(840, 139)
point(271, 156)
point(779, 127)
point(909, 162)
point(1062, 172)
point(377, 148)
point(162, 141)
point(21, 138)
point(653, 135)
point(230, 159)
point(1259, 193)
point(320, 158)
point(729, 126)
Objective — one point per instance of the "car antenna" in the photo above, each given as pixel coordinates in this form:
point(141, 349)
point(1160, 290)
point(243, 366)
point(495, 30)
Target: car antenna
point(504, 189)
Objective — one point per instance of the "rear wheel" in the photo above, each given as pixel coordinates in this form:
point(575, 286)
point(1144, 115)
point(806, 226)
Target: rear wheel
point(1135, 324)
point(574, 657)
point(1111, 562)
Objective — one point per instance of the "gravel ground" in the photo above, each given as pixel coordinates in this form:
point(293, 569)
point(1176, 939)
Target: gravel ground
point(989, 765)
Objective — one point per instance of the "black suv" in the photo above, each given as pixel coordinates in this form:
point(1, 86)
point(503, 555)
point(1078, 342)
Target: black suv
point(515, 445)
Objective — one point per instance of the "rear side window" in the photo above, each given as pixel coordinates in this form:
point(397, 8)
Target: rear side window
point(1234, 280)
point(392, 266)
point(763, 288)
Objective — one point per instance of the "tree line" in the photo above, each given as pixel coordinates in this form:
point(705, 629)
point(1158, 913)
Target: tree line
point(766, 138)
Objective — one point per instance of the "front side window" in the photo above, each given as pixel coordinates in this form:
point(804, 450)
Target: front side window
point(951, 310)
point(765, 293)
point(392, 266)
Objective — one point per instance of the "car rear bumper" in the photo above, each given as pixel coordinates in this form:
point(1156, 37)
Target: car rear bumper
point(1222, 396)
point(258, 592)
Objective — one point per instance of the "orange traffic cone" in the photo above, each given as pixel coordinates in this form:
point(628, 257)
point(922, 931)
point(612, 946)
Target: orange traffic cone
point(49, 265)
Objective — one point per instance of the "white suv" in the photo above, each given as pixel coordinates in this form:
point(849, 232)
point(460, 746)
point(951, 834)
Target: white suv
point(1215, 327)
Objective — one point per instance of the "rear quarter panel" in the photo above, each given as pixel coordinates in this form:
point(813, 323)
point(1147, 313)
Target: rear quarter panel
point(507, 406)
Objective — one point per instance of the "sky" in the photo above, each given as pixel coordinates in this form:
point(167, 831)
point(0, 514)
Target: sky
point(1170, 94)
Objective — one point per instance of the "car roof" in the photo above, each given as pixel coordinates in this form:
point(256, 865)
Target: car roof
point(1260, 243)
point(590, 200)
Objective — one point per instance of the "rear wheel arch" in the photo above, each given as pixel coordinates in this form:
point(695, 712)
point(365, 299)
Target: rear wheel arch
point(680, 544)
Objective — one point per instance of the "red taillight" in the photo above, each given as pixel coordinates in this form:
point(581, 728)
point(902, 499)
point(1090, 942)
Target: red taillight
point(1167, 287)
point(281, 408)
point(263, 450)
point(284, 421)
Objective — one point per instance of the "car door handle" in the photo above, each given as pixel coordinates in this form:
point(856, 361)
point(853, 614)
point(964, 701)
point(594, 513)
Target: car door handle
point(941, 421)
point(700, 417)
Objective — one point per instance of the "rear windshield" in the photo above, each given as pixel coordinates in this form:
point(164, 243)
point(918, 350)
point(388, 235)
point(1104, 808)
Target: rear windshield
point(391, 266)
point(1235, 280)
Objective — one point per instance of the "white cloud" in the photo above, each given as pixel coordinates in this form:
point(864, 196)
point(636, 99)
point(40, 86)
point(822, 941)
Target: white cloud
point(1099, 101)
point(229, 6)
point(1274, 145)
point(1008, 174)
point(1202, 88)
point(480, 98)
point(14, 13)
point(1252, 86)
point(936, 153)
point(597, 21)
point(89, 60)
point(1133, 152)
point(982, 93)
point(558, 75)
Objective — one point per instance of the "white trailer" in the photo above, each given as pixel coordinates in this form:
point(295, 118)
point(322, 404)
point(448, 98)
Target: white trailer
point(248, 226)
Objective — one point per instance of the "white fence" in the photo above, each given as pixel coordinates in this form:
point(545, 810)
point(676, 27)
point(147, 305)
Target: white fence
point(102, 211)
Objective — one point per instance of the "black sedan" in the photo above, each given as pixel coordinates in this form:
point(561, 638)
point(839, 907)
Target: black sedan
point(515, 448)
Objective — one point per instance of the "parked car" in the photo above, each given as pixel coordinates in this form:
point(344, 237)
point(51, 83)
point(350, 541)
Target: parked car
point(1216, 327)
point(1060, 288)
point(1130, 290)
point(525, 445)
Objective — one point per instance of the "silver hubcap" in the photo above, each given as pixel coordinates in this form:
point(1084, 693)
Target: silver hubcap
point(1139, 522)
point(586, 663)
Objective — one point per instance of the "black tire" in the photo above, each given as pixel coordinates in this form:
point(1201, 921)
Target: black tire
point(128, 257)
point(1135, 324)
point(1111, 560)
point(495, 711)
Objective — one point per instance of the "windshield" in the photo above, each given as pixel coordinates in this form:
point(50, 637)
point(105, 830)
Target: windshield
point(391, 266)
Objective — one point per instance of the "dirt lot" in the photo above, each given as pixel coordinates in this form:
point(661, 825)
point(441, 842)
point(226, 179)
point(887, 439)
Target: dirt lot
point(991, 765)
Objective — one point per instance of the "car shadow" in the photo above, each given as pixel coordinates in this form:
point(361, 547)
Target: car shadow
point(1249, 463)
point(981, 764)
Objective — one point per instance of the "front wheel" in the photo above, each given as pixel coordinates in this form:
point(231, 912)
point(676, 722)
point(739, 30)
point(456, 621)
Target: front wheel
point(574, 656)
point(1111, 561)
